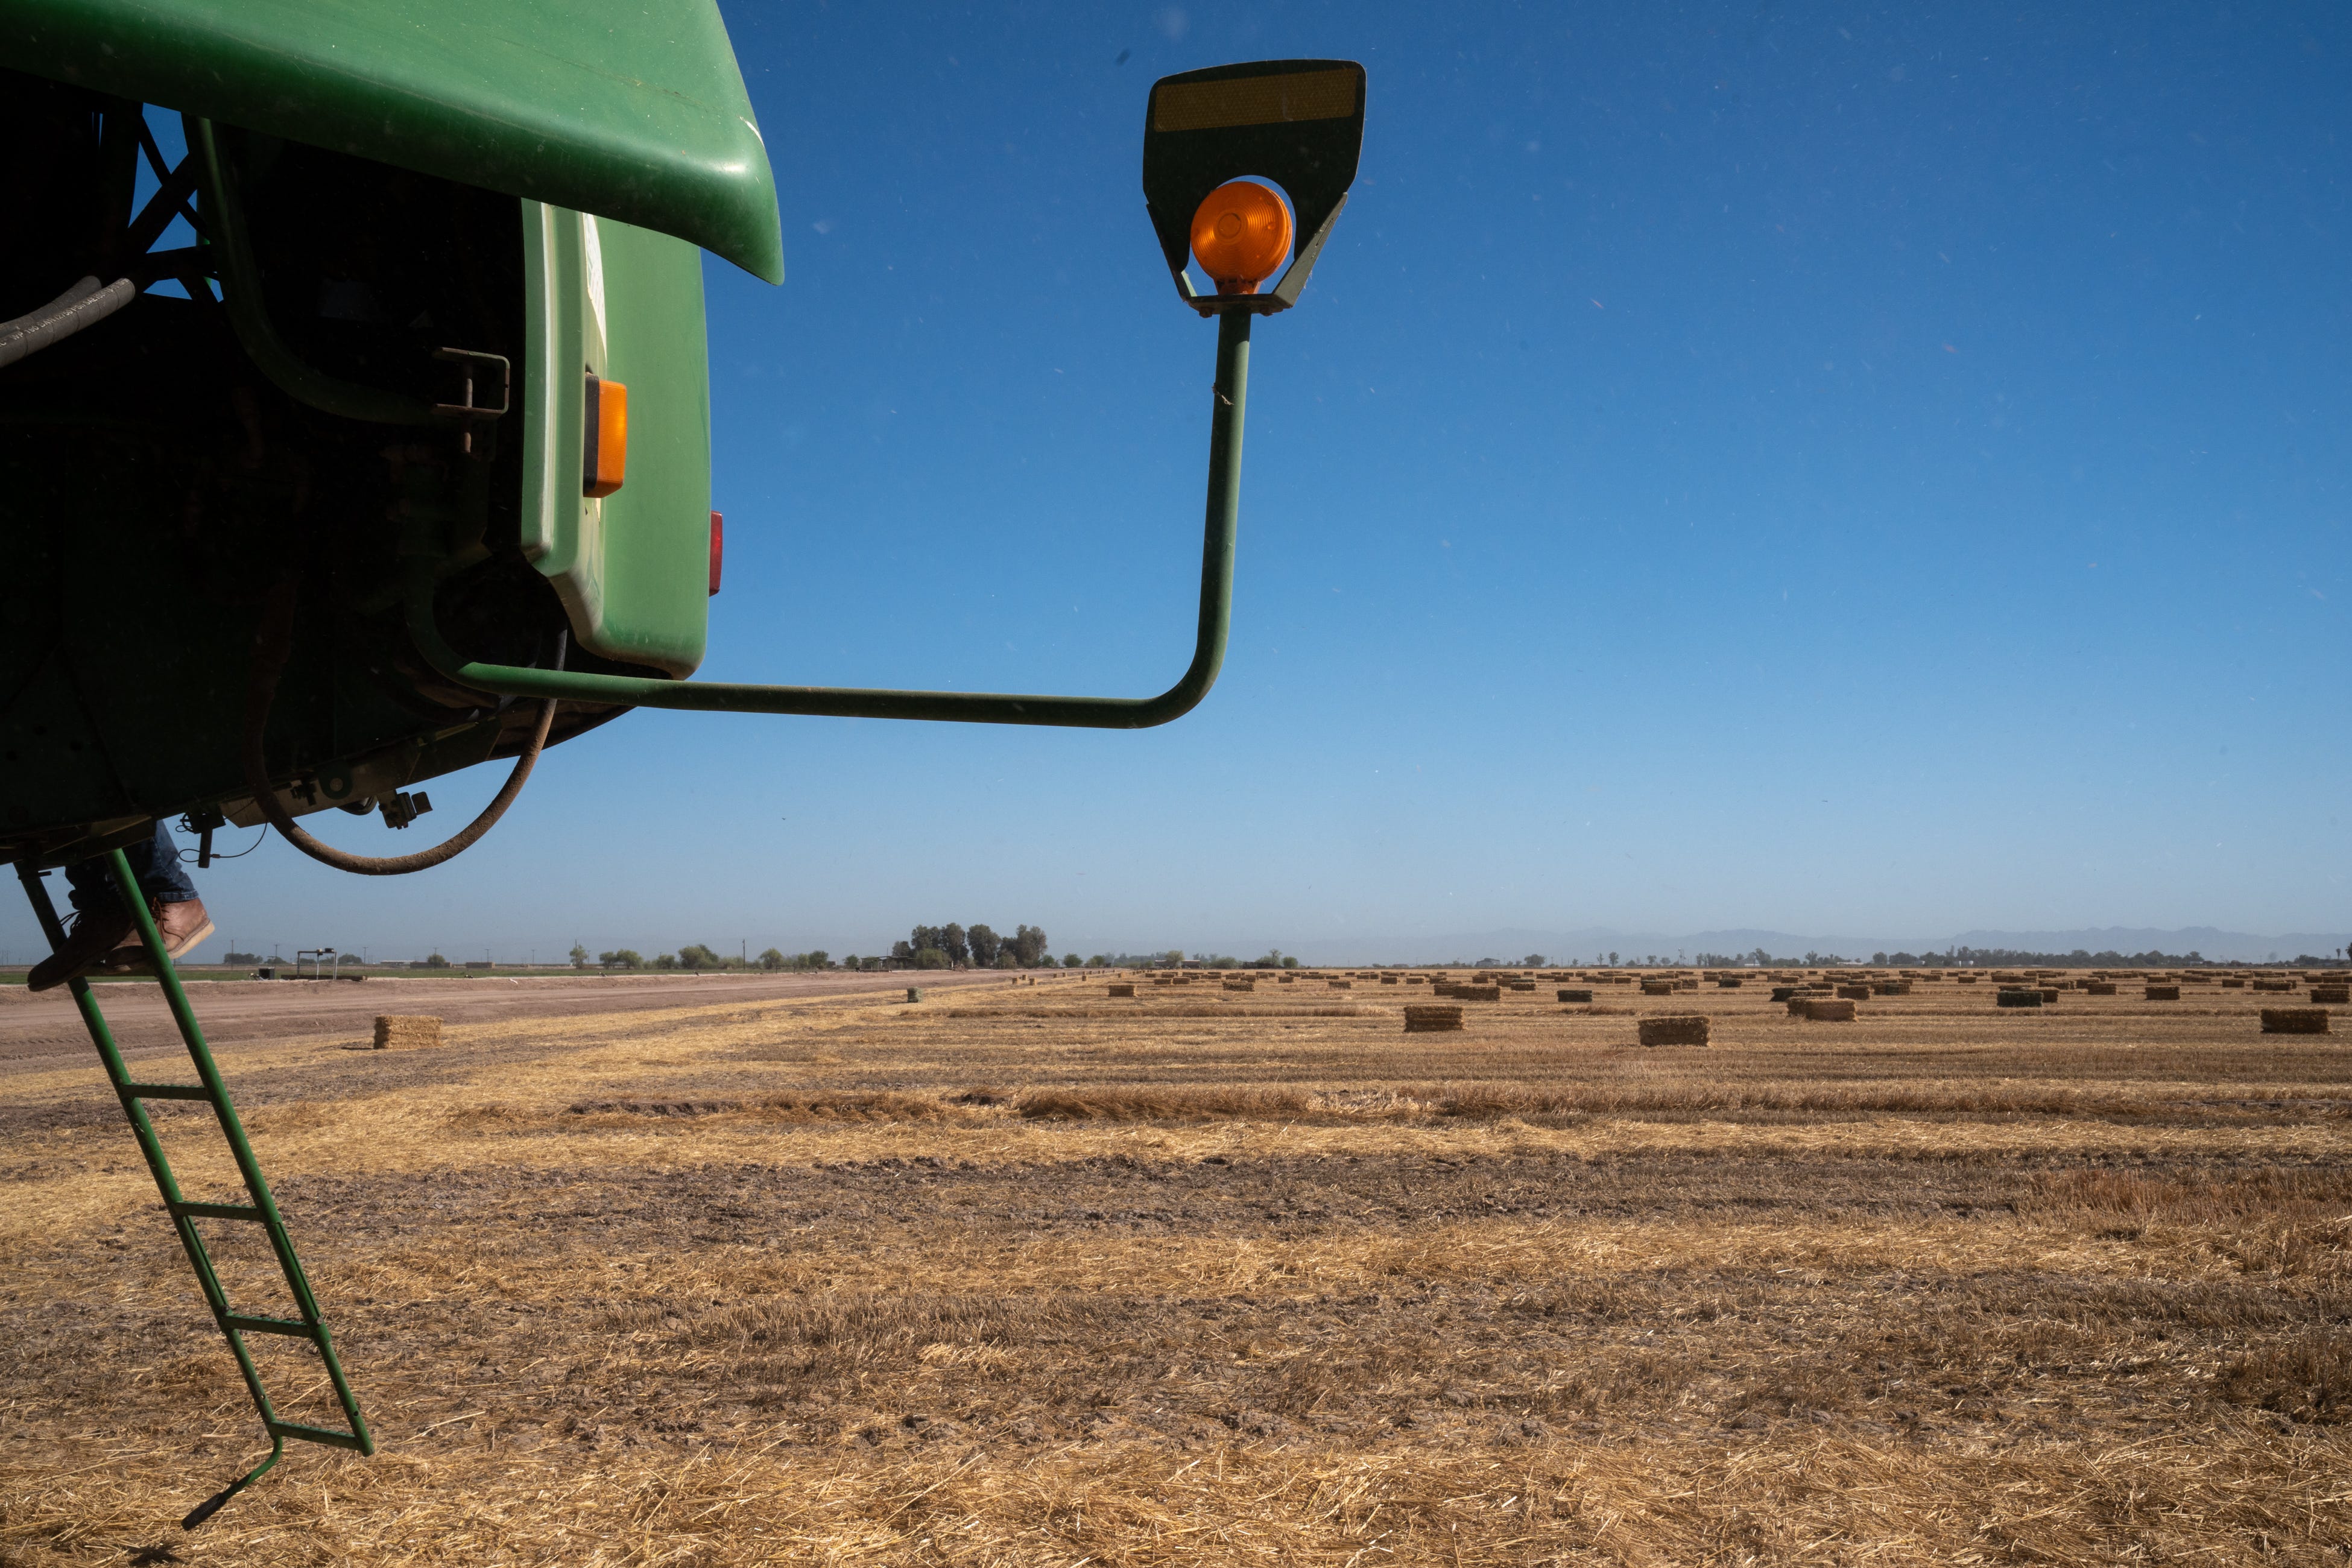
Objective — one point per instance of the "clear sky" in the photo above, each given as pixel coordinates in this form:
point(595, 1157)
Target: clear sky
point(1823, 469)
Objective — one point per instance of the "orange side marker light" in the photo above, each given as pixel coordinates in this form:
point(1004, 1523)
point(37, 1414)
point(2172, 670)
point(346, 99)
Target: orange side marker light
point(1241, 233)
point(604, 446)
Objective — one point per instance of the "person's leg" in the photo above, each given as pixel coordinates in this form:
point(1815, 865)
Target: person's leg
point(171, 896)
point(161, 874)
point(104, 935)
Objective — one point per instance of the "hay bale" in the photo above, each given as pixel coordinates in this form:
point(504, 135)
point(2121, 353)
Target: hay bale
point(1726, 982)
point(1117, 989)
point(915, 993)
point(1854, 993)
point(1826, 1010)
point(1415, 980)
point(1479, 992)
point(1241, 984)
point(1576, 993)
point(2294, 1020)
point(1890, 988)
point(1657, 987)
point(1674, 1029)
point(1429, 1019)
point(2274, 985)
point(2098, 988)
point(2163, 993)
point(396, 1031)
point(1388, 980)
point(1341, 985)
point(1783, 993)
point(2338, 995)
point(1964, 979)
point(2016, 997)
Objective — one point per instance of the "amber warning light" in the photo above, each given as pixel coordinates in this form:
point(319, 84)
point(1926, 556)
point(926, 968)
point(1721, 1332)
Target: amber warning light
point(1240, 233)
point(604, 444)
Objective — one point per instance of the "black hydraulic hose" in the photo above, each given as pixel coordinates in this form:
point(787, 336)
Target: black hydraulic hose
point(273, 640)
point(85, 304)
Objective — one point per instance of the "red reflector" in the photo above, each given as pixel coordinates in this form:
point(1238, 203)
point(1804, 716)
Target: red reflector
point(717, 548)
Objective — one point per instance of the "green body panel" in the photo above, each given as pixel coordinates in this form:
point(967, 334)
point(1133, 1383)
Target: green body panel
point(631, 110)
point(633, 569)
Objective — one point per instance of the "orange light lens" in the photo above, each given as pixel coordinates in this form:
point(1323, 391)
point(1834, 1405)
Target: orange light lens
point(606, 449)
point(1241, 234)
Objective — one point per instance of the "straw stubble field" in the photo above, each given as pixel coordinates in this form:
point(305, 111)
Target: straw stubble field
point(1038, 1275)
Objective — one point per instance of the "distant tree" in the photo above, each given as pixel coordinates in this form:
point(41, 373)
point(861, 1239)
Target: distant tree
point(1005, 959)
point(851, 961)
point(695, 955)
point(578, 956)
point(930, 958)
point(1069, 961)
point(817, 958)
point(771, 959)
point(902, 952)
point(1613, 960)
point(1532, 960)
point(665, 961)
point(985, 945)
point(955, 943)
point(1174, 955)
point(927, 936)
point(622, 958)
point(1028, 945)
point(435, 961)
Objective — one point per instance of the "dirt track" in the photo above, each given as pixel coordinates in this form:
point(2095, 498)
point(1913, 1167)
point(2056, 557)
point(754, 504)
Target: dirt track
point(275, 1012)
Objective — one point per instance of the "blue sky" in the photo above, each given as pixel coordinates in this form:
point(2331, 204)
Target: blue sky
point(1810, 467)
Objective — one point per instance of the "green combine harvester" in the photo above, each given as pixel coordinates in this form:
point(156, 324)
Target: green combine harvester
point(401, 463)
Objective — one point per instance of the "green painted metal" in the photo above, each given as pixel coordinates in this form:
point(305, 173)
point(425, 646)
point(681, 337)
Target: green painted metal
point(631, 110)
point(1223, 509)
point(262, 1209)
point(632, 569)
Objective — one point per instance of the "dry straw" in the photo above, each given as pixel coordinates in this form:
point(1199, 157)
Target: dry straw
point(1825, 1010)
point(396, 1031)
point(1432, 1019)
point(1674, 1029)
point(2163, 993)
point(2294, 1020)
point(2338, 995)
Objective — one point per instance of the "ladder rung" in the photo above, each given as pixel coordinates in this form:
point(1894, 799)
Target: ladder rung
point(166, 1091)
point(317, 1435)
point(215, 1211)
point(272, 1326)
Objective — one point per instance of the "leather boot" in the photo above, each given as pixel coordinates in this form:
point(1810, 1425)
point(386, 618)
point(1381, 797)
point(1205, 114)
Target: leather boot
point(93, 938)
point(180, 925)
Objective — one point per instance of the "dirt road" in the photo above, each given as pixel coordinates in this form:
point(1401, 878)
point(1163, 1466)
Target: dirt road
point(266, 1012)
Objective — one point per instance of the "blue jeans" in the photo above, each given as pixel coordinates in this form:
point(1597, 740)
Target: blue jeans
point(156, 864)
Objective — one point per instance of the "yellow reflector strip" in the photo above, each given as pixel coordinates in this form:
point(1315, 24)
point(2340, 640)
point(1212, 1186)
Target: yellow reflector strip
point(1253, 100)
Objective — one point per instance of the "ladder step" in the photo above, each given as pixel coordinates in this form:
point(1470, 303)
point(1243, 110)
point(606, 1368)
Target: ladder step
point(295, 1326)
point(215, 1211)
point(318, 1435)
point(166, 1091)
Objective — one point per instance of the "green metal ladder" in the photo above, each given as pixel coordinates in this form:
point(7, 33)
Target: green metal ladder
point(261, 1210)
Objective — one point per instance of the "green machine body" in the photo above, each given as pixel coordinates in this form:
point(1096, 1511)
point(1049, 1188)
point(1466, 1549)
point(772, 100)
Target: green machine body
point(401, 463)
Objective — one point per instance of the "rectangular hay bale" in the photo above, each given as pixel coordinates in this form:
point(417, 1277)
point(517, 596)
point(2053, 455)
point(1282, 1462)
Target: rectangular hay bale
point(2294, 1021)
point(396, 1031)
point(1829, 1010)
point(2162, 994)
point(2338, 995)
point(1575, 994)
point(1422, 1019)
point(1674, 1029)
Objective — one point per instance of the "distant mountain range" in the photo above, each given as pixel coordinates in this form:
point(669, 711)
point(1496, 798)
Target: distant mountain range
point(1581, 946)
